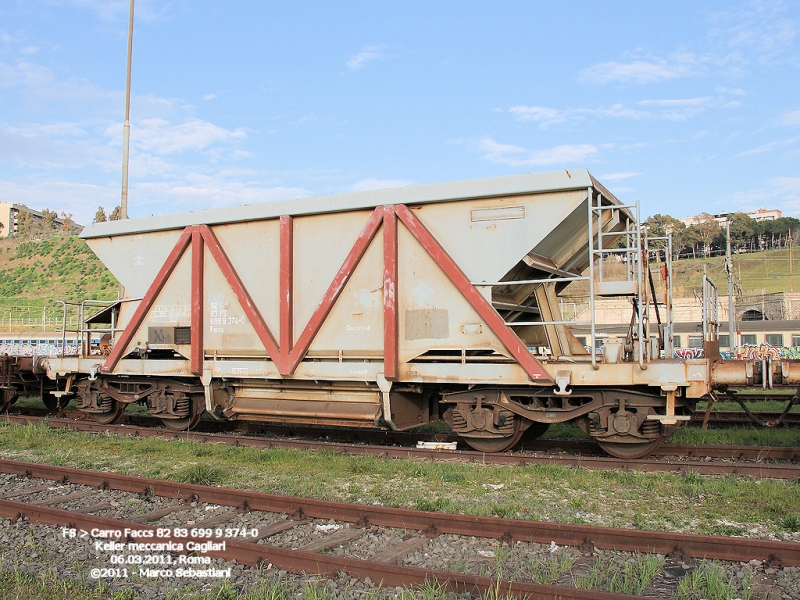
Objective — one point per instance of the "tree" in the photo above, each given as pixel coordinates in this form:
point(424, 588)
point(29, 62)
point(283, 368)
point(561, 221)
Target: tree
point(24, 223)
point(116, 214)
point(68, 226)
point(743, 231)
point(662, 225)
point(100, 215)
point(707, 231)
point(48, 221)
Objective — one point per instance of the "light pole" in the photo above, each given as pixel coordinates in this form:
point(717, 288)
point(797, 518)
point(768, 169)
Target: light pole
point(731, 310)
point(126, 128)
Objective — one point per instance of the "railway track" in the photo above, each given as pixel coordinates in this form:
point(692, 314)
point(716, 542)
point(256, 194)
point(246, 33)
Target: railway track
point(388, 545)
point(731, 460)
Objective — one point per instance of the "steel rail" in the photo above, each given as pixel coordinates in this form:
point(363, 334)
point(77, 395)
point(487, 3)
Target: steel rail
point(702, 467)
point(299, 561)
point(510, 530)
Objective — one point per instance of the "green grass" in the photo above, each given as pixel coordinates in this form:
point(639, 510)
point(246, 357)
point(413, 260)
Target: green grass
point(664, 501)
point(752, 272)
point(708, 582)
point(48, 586)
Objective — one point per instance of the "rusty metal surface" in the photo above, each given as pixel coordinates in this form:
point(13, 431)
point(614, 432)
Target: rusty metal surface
point(305, 562)
point(698, 546)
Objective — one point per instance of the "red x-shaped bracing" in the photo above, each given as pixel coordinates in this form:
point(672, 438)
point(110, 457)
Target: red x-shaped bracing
point(286, 355)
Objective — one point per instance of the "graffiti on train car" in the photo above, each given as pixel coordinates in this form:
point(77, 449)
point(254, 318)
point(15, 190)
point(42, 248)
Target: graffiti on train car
point(747, 351)
point(38, 350)
point(688, 353)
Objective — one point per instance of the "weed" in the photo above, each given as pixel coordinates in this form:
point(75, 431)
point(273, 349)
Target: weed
point(200, 474)
point(495, 593)
point(224, 592)
point(435, 505)
point(635, 576)
point(505, 511)
point(432, 590)
point(706, 582)
point(451, 474)
point(269, 590)
point(594, 579)
point(314, 590)
point(728, 530)
point(550, 569)
point(790, 522)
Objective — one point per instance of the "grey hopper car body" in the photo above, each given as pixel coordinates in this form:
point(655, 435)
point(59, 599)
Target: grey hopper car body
point(395, 308)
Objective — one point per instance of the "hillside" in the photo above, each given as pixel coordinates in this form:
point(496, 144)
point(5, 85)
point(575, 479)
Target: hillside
point(35, 274)
point(752, 273)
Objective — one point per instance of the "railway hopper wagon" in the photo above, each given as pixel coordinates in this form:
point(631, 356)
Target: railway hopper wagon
point(395, 308)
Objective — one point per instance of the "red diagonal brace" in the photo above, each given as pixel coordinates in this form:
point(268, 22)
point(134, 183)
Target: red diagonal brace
point(490, 316)
point(243, 296)
point(334, 290)
point(121, 344)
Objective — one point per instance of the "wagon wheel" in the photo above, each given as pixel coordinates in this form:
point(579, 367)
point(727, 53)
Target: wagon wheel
point(196, 408)
point(497, 444)
point(635, 450)
point(50, 401)
point(535, 431)
point(113, 415)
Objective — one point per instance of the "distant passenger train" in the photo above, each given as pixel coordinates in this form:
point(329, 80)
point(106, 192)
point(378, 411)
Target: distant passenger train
point(45, 343)
point(780, 337)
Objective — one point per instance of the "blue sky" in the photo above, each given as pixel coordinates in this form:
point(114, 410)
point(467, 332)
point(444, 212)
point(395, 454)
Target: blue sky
point(684, 106)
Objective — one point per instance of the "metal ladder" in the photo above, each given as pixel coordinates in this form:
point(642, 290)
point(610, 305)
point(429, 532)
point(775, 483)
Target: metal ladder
point(604, 219)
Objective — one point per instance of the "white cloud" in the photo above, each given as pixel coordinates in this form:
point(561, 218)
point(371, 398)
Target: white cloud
point(641, 71)
point(39, 86)
point(790, 119)
point(379, 184)
point(767, 147)
point(29, 149)
point(669, 109)
point(779, 192)
point(367, 54)
point(197, 192)
point(761, 31)
point(618, 176)
point(542, 114)
point(567, 154)
point(162, 137)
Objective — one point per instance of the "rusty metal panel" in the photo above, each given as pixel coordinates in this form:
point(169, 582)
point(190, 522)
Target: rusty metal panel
point(487, 237)
point(428, 323)
point(433, 314)
point(355, 321)
point(253, 249)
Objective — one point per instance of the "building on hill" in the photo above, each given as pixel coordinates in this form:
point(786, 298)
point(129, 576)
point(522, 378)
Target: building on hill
point(762, 214)
point(10, 213)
